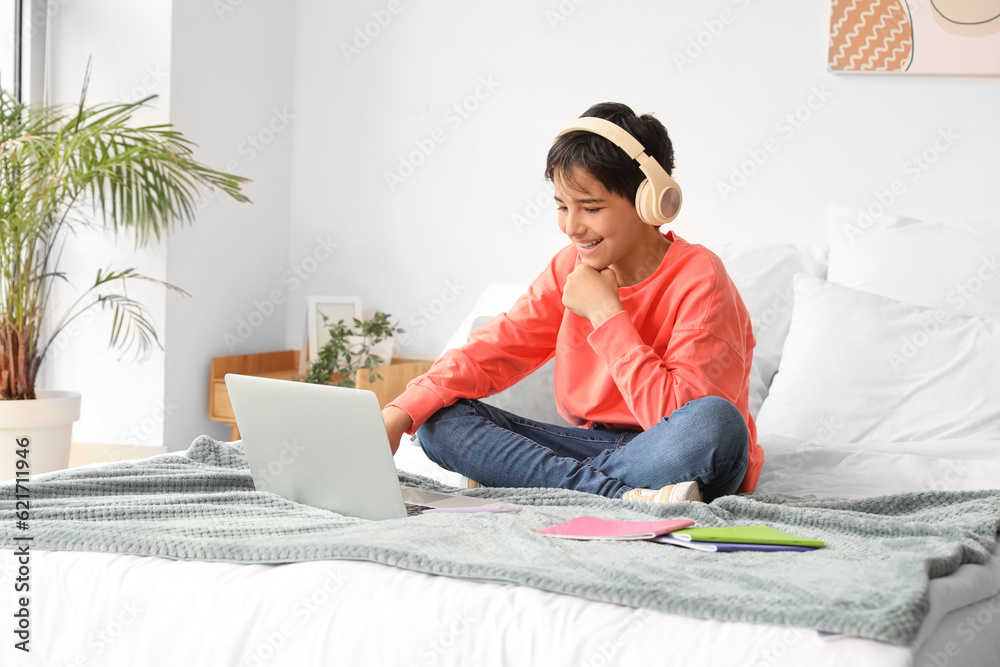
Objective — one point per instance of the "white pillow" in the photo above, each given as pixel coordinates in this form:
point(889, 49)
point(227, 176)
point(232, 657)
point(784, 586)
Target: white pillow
point(954, 266)
point(496, 298)
point(858, 367)
point(763, 275)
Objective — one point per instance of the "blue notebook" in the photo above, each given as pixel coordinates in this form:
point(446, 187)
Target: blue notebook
point(745, 535)
point(727, 546)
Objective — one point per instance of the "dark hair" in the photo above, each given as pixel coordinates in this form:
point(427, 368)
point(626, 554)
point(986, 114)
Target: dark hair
point(605, 161)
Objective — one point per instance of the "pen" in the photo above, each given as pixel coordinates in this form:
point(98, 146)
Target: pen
point(467, 510)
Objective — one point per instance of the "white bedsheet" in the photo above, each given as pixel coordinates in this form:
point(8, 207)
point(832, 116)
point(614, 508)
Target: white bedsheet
point(107, 609)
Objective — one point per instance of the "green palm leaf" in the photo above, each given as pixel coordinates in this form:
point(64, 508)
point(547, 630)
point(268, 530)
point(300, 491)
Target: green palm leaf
point(54, 163)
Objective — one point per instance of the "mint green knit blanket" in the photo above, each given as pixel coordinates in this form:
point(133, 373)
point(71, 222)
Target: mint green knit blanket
point(871, 580)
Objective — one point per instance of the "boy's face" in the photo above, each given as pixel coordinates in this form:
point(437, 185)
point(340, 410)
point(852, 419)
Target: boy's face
point(604, 226)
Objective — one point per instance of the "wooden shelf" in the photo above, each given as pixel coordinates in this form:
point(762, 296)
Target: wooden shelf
point(284, 365)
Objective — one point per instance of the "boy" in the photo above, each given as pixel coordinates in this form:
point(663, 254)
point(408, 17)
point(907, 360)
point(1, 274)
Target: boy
point(651, 339)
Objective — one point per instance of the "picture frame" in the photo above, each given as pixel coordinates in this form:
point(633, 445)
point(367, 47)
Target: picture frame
point(915, 37)
point(335, 308)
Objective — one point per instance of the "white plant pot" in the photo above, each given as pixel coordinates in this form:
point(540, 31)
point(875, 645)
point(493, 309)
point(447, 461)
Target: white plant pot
point(385, 350)
point(47, 422)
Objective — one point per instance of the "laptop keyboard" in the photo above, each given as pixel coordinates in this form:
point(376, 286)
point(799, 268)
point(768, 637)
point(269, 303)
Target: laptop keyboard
point(414, 509)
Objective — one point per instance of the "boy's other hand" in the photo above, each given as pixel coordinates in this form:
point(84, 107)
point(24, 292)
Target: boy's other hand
point(396, 422)
point(592, 294)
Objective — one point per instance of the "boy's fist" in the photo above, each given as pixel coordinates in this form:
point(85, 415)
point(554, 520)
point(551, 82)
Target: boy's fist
point(592, 294)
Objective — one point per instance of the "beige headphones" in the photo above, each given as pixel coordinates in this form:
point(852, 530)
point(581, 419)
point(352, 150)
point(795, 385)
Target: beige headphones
point(658, 198)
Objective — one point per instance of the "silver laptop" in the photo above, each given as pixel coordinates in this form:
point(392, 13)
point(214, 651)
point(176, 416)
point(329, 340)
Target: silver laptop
point(326, 447)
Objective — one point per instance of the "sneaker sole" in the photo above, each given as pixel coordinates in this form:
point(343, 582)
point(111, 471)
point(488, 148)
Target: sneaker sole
point(685, 491)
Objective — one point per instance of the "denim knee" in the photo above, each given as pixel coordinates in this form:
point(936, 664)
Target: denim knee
point(726, 430)
point(433, 433)
point(724, 424)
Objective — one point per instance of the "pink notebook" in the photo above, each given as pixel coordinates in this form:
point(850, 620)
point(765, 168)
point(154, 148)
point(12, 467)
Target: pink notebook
point(592, 528)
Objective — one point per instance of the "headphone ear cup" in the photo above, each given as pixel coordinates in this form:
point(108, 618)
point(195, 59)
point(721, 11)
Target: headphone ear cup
point(655, 210)
point(669, 204)
point(644, 204)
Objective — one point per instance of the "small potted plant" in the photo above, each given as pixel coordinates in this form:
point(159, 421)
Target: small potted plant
point(364, 345)
point(56, 162)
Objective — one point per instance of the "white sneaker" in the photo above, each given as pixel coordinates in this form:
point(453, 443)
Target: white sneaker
point(466, 483)
point(672, 493)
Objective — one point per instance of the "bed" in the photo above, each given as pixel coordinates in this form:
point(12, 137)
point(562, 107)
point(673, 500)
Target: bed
point(874, 383)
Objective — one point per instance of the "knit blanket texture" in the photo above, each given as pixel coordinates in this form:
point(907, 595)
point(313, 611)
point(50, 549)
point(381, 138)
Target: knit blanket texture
point(871, 580)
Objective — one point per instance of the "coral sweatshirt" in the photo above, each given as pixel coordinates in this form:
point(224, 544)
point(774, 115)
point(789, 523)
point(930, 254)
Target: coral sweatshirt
point(685, 334)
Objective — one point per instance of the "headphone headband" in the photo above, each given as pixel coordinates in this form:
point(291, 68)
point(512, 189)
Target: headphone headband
point(658, 197)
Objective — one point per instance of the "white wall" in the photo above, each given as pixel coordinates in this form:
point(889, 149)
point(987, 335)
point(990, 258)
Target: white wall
point(129, 44)
point(450, 228)
point(232, 65)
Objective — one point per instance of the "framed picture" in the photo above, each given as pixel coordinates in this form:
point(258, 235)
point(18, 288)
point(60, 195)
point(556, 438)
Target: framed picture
point(335, 308)
point(935, 37)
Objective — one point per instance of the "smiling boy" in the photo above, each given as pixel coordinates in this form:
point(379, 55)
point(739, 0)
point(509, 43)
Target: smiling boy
point(652, 346)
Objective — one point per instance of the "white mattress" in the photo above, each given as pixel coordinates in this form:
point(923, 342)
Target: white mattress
point(107, 609)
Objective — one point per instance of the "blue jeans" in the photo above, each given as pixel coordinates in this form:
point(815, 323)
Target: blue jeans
point(703, 441)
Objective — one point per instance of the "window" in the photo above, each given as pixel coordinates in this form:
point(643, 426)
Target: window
point(33, 18)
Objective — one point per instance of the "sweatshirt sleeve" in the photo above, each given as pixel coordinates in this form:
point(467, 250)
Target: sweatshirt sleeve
point(704, 357)
point(497, 355)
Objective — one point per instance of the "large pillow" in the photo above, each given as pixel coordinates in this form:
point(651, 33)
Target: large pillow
point(858, 367)
point(763, 275)
point(951, 265)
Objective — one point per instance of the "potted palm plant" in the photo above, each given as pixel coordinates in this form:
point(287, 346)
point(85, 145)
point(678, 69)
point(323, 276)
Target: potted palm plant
point(57, 164)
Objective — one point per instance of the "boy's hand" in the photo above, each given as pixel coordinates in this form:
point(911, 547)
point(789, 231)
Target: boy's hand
point(396, 422)
point(592, 294)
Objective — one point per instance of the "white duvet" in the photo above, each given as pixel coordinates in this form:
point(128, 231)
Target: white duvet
point(107, 609)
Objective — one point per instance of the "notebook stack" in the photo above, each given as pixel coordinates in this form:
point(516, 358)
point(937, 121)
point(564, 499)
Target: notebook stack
point(681, 533)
